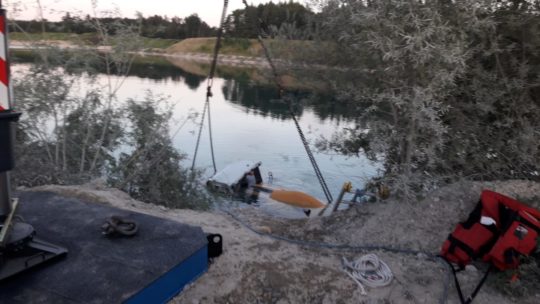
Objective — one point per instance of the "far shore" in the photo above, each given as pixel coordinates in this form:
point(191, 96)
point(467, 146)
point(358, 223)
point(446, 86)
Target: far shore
point(254, 61)
point(229, 60)
point(183, 58)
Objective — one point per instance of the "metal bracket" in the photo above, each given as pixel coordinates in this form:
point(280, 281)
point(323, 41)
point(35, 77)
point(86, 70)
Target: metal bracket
point(4, 232)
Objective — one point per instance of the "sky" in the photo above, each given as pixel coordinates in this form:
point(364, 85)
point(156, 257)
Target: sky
point(208, 10)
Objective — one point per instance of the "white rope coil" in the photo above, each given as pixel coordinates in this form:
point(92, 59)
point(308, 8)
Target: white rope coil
point(369, 270)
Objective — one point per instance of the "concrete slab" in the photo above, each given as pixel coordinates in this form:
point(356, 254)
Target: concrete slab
point(150, 267)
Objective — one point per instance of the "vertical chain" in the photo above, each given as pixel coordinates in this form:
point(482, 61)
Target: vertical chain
point(316, 168)
point(312, 159)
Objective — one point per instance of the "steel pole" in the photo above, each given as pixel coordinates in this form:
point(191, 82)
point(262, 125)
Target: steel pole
point(6, 133)
point(5, 195)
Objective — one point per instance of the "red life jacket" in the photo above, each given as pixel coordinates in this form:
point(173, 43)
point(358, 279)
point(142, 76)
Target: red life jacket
point(499, 230)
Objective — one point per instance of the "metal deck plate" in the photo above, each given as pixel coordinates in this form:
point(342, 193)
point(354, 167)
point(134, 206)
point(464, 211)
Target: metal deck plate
point(152, 266)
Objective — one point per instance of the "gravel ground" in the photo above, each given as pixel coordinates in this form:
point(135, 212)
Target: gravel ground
point(256, 268)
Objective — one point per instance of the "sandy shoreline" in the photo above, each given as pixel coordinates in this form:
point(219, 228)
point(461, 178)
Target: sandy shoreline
point(226, 60)
point(230, 60)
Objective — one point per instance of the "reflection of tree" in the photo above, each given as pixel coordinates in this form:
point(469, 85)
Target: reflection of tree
point(261, 99)
point(159, 69)
point(326, 106)
point(264, 99)
point(154, 68)
point(192, 81)
point(239, 87)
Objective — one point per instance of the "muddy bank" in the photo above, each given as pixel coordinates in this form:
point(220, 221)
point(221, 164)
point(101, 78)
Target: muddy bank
point(259, 269)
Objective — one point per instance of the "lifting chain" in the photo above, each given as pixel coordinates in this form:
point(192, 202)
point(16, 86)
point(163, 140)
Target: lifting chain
point(318, 173)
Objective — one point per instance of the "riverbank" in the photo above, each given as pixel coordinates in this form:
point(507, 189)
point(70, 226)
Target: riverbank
point(86, 39)
point(291, 75)
point(193, 49)
point(233, 52)
point(256, 267)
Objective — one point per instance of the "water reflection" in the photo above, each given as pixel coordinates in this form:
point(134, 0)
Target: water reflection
point(164, 71)
point(146, 67)
point(247, 87)
point(249, 124)
point(262, 100)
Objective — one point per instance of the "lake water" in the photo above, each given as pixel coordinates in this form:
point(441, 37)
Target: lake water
point(248, 124)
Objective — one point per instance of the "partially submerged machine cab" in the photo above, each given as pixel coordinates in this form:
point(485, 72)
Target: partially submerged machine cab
point(233, 177)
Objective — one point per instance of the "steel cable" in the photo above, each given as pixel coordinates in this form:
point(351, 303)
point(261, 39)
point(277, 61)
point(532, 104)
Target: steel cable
point(210, 83)
point(206, 105)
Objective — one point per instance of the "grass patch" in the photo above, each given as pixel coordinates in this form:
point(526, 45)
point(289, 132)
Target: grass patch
point(237, 44)
point(42, 36)
point(204, 49)
point(86, 39)
point(18, 55)
point(158, 43)
point(229, 46)
point(151, 60)
point(293, 50)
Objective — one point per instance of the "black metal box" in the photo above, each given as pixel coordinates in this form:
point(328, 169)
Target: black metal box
point(7, 138)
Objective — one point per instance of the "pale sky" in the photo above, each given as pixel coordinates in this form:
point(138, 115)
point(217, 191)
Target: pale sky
point(208, 10)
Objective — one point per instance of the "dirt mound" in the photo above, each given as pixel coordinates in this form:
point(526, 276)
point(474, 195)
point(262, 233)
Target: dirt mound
point(259, 269)
point(419, 225)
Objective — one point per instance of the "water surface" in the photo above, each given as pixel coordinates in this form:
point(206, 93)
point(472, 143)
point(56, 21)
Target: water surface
point(248, 123)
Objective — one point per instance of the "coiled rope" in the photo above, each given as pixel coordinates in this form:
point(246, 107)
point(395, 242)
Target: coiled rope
point(367, 247)
point(368, 270)
point(119, 226)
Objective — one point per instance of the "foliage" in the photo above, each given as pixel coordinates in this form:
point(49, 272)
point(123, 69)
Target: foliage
point(59, 128)
point(151, 27)
point(152, 172)
point(452, 90)
point(244, 23)
point(73, 125)
point(241, 23)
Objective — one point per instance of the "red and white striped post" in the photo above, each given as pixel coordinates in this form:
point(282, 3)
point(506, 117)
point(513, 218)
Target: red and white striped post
point(5, 100)
point(14, 233)
point(8, 117)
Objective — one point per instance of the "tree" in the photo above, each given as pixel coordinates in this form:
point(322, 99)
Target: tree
point(244, 23)
point(449, 85)
point(193, 26)
point(70, 138)
point(152, 172)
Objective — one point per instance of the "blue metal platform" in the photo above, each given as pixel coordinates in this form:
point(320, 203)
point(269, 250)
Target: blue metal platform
point(150, 267)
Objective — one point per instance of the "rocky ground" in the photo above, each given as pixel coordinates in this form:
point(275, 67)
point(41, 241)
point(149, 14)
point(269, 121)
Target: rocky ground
point(256, 267)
